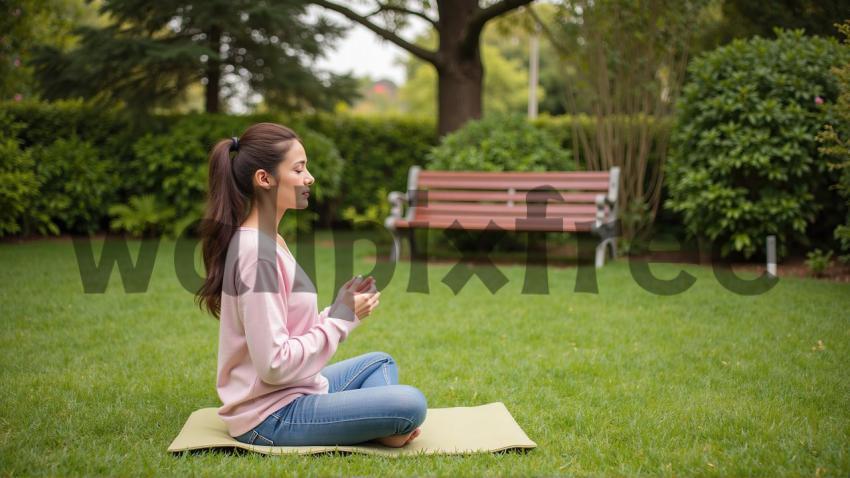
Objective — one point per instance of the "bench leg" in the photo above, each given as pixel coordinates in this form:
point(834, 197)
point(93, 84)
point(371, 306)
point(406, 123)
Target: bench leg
point(602, 248)
point(411, 237)
point(395, 253)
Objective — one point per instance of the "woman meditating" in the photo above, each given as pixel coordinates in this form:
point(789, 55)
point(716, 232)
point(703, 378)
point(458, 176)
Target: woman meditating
point(274, 344)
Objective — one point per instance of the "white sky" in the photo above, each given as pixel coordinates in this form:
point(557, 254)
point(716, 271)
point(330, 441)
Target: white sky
point(365, 53)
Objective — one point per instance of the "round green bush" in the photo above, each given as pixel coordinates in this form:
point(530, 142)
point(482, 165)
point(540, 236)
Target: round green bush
point(744, 162)
point(500, 143)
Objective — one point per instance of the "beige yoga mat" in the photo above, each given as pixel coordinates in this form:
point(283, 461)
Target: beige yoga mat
point(446, 431)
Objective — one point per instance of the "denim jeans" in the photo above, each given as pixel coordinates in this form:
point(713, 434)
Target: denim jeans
point(364, 402)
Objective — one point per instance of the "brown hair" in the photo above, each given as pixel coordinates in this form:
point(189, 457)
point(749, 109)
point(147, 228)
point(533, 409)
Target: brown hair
point(231, 188)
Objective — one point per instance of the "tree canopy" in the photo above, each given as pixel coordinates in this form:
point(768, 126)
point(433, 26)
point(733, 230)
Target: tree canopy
point(153, 50)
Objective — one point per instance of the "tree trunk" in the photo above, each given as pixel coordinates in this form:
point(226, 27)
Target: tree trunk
point(213, 73)
point(459, 70)
point(460, 84)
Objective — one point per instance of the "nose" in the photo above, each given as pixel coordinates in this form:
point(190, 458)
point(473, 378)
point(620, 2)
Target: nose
point(311, 180)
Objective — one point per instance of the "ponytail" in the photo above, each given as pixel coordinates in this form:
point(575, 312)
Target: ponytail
point(262, 145)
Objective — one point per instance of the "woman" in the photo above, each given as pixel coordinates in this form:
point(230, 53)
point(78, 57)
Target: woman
point(274, 345)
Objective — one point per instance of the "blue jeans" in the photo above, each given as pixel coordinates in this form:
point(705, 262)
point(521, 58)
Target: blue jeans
point(364, 402)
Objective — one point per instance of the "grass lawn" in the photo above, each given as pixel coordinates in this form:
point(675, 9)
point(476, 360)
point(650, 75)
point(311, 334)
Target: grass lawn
point(622, 382)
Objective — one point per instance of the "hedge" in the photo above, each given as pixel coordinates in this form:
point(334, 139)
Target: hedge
point(151, 166)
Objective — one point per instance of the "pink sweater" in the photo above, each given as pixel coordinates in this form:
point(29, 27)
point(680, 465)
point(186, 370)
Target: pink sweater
point(272, 345)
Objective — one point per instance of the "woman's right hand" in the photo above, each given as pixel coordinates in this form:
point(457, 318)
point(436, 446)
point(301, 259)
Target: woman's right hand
point(360, 295)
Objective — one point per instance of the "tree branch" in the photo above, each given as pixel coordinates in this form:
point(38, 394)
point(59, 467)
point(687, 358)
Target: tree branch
point(484, 15)
point(422, 15)
point(547, 32)
point(423, 53)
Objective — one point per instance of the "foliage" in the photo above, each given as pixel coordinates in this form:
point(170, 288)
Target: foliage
point(744, 161)
point(150, 56)
point(323, 157)
point(25, 24)
point(624, 64)
point(75, 184)
point(745, 18)
point(60, 172)
point(817, 261)
point(174, 164)
point(18, 183)
point(373, 215)
point(500, 143)
point(376, 153)
point(167, 157)
point(143, 216)
point(511, 35)
point(835, 139)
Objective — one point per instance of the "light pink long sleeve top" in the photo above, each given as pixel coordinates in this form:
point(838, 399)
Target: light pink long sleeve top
point(273, 342)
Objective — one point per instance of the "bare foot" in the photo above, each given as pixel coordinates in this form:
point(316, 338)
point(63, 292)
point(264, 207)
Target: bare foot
point(413, 435)
point(398, 441)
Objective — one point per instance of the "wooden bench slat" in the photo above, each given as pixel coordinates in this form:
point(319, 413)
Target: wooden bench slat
point(509, 224)
point(473, 209)
point(518, 175)
point(504, 197)
point(463, 183)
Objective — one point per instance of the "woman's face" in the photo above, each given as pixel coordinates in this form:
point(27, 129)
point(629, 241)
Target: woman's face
point(294, 180)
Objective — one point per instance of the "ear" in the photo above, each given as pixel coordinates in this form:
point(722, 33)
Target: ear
point(263, 179)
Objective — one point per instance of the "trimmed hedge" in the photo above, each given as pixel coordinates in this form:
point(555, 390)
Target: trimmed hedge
point(155, 168)
point(65, 165)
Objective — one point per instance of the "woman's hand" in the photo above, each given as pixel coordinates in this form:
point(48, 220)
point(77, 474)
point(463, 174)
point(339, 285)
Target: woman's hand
point(360, 295)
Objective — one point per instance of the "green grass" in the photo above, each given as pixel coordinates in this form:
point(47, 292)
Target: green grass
point(624, 382)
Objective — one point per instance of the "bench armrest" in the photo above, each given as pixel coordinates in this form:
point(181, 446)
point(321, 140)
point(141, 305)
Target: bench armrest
point(603, 214)
point(606, 204)
point(397, 201)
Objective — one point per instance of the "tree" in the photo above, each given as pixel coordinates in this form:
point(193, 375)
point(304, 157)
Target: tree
point(457, 58)
point(29, 23)
point(505, 86)
point(154, 50)
point(624, 61)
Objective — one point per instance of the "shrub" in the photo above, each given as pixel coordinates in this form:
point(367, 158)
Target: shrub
point(817, 261)
point(68, 154)
point(142, 216)
point(835, 138)
point(744, 163)
point(500, 143)
point(75, 184)
point(108, 128)
point(377, 153)
point(18, 184)
point(173, 165)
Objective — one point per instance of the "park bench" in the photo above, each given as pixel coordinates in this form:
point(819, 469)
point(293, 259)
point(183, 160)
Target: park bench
point(573, 202)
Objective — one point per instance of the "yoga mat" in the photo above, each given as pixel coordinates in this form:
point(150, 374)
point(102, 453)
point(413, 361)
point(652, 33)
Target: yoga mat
point(445, 431)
